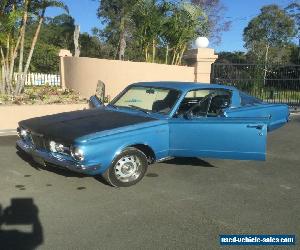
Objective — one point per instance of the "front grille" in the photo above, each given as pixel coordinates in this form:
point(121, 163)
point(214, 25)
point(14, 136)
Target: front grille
point(38, 141)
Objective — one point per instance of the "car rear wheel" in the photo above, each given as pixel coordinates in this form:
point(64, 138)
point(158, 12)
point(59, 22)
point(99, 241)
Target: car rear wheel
point(127, 169)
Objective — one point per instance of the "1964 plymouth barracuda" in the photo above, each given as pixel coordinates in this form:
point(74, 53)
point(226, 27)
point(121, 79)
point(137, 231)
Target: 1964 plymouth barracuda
point(149, 122)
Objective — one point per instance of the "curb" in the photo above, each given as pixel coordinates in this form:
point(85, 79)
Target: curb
point(7, 132)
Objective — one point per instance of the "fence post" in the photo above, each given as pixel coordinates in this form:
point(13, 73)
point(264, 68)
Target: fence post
point(63, 53)
point(201, 59)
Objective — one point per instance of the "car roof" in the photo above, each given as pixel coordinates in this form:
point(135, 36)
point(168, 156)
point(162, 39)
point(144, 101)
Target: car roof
point(183, 86)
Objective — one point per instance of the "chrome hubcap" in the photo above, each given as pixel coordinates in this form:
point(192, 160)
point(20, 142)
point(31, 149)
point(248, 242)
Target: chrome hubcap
point(128, 168)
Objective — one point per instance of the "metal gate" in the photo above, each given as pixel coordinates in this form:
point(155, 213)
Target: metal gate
point(272, 83)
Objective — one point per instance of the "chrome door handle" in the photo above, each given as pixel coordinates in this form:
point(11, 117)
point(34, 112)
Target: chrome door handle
point(260, 127)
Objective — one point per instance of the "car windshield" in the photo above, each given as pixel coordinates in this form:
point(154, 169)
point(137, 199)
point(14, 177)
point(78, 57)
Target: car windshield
point(148, 99)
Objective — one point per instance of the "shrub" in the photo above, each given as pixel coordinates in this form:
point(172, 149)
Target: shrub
point(43, 95)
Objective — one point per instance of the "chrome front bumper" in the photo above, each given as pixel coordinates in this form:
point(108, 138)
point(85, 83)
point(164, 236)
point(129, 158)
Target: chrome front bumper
point(47, 158)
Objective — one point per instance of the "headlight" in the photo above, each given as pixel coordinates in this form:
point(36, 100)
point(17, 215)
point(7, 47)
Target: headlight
point(57, 147)
point(77, 153)
point(23, 133)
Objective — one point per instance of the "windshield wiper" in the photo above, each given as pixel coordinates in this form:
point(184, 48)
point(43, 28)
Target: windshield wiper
point(140, 109)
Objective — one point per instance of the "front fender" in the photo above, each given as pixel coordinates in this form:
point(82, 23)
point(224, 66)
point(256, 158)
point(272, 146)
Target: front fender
point(103, 150)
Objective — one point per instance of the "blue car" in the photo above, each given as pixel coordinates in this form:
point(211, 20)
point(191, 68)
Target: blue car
point(150, 122)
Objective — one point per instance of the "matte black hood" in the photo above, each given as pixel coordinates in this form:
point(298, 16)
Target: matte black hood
point(66, 127)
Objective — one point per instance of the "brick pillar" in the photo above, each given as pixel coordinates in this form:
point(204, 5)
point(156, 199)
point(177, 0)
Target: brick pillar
point(63, 53)
point(201, 59)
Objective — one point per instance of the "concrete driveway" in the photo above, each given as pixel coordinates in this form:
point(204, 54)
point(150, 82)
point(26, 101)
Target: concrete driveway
point(181, 203)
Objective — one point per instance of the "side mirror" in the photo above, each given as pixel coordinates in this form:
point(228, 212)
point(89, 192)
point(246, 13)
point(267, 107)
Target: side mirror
point(95, 102)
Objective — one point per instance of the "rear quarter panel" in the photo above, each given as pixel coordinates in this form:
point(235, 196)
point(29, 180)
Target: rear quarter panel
point(278, 114)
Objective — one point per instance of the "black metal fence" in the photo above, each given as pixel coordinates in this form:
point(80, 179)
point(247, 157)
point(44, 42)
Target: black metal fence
point(271, 83)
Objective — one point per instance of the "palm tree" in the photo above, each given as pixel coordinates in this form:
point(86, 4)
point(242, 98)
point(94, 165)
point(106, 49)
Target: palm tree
point(9, 16)
point(186, 22)
point(39, 6)
point(22, 34)
point(13, 19)
point(149, 19)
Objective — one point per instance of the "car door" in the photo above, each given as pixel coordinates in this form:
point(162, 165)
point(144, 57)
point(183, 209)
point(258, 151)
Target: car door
point(206, 135)
point(219, 137)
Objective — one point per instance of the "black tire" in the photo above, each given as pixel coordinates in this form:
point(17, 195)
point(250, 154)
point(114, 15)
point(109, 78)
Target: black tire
point(134, 156)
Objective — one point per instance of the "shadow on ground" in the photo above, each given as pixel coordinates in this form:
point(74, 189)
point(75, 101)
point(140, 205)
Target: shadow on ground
point(189, 161)
point(22, 211)
point(56, 170)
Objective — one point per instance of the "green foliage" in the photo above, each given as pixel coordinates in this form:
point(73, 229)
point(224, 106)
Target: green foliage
point(91, 46)
point(58, 31)
point(293, 10)
point(295, 54)
point(215, 12)
point(149, 20)
point(156, 28)
point(9, 16)
point(268, 33)
point(183, 24)
point(45, 59)
point(232, 57)
point(116, 15)
point(272, 26)
point(42, 95)
point(56, 34)
point(14, 17)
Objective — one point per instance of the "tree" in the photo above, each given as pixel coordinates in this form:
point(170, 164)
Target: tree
point(153, 26)
point(14, 17)
point(40, 8)
point(91, 46)
point(267, 36)
point(58, 31)
point(76, 41)
point(44, 59)
point(148, 27)
point(56, 34)
point(214, 10)
point(272, 28)
point(116, 15)
point(293, 10)
point(236, 57)
point(184, 23)
point(9, 15)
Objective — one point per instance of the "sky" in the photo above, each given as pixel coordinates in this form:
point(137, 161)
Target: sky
point(240, 12)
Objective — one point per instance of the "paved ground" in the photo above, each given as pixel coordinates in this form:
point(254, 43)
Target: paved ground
point(181, 204)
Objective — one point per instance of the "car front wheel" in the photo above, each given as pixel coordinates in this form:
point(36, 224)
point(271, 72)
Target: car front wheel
point(127, 169)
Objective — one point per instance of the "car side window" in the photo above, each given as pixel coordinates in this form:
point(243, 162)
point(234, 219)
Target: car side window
point(205, 103)
point(249, 100)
